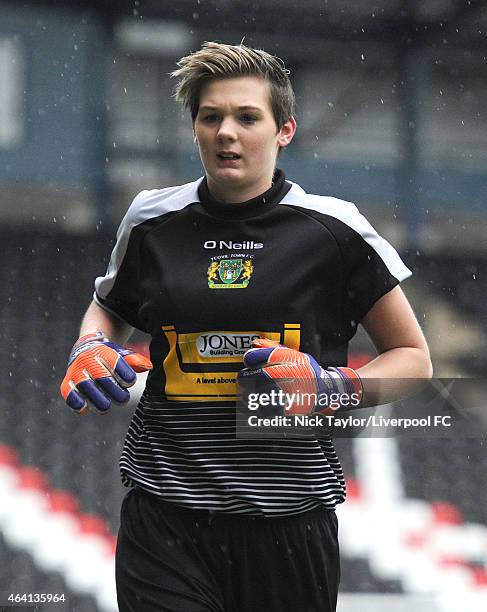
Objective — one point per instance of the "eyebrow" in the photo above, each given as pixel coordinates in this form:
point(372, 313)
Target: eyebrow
point(240, 108)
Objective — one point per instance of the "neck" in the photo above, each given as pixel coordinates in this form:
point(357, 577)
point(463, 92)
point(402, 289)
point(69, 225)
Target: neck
point(239, 194)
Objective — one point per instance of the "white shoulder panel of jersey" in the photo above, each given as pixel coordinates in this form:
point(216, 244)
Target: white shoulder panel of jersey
point(348, 213)
point(153, 203)
point(148, 204)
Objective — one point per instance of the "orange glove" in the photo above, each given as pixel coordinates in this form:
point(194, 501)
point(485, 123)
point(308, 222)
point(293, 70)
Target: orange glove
point(100, 371)
point(270, 365)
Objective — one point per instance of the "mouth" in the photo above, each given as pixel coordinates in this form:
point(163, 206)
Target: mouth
point(228, 156)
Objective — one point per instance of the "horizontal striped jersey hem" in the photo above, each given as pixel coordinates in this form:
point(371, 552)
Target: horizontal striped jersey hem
point(191, 455)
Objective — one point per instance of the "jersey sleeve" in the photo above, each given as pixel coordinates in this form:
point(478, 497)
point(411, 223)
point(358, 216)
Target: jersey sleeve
point(372, 267)
point(118, 291)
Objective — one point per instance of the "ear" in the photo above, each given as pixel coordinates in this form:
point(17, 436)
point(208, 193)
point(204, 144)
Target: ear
point(286, 133)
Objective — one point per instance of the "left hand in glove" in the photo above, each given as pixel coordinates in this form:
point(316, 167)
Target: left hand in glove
point(305, 385)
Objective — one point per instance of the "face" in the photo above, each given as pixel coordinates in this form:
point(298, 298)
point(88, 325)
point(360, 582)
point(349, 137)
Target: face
point(238, 137)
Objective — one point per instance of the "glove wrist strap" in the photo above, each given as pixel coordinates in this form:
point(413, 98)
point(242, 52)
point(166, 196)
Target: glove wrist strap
point(98, 336)
point(347, 381)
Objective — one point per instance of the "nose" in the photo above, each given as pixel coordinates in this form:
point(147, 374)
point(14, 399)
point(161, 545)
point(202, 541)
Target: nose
point(226, 130)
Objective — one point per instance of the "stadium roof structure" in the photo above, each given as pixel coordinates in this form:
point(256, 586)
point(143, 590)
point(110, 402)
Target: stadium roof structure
point(409, 23)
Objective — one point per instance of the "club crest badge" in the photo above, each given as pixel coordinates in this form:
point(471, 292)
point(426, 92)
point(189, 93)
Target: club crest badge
point(230, 273)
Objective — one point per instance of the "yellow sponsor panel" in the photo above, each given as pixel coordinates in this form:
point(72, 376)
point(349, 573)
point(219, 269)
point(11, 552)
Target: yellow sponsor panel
point(212, 347)
point(216, 346)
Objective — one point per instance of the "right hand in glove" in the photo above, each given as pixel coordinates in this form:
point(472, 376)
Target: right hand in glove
point(100, 371)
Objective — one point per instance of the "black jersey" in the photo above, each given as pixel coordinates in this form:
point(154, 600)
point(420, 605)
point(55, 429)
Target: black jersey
point(204, 278)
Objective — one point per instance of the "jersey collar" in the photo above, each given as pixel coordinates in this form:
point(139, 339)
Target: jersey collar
point(251, 208)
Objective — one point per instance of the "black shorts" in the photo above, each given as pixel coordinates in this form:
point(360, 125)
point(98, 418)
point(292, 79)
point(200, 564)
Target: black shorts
point(173, 559)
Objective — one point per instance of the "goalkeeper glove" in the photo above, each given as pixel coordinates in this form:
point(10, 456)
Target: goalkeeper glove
point(100, 371)
point(307, 387)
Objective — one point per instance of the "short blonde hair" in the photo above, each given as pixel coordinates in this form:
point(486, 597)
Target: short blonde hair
point(221, 61)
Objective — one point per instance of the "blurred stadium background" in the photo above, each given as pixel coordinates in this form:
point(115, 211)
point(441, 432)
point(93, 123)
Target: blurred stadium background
point(391, 113)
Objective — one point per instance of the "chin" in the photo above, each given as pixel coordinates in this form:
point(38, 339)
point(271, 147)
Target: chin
point(228, 175)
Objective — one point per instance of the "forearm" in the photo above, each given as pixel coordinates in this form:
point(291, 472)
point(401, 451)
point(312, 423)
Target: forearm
point(394, 374)
point(96, 318)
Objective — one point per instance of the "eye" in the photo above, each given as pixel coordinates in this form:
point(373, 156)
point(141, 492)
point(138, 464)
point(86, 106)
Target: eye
point(248, 119)
point(211, 118)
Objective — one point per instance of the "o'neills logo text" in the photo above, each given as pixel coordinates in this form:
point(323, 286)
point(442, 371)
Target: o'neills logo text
point(216, 345)
point(230, 245)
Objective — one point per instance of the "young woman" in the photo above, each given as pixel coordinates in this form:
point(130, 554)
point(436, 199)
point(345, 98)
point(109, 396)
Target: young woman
point(240, 264)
